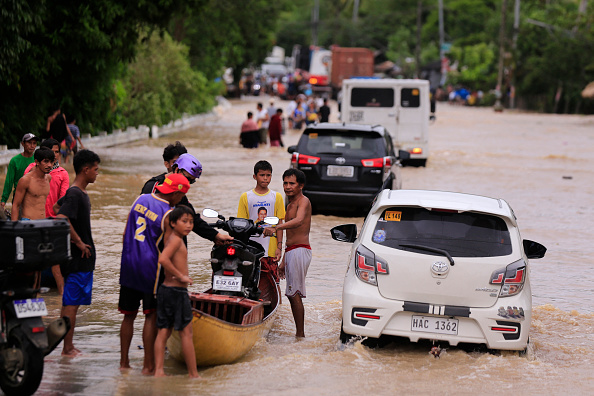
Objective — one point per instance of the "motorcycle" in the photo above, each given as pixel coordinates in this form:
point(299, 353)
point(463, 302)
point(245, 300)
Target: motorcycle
point(236, 266)
point(28, 247)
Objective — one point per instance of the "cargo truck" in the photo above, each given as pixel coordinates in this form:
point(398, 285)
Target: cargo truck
point(328, 68)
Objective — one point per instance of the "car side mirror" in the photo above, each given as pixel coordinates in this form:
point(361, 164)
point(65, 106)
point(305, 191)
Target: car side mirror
point(292, 149)
point(533, 250)
point(403, 155)
point(344, 233)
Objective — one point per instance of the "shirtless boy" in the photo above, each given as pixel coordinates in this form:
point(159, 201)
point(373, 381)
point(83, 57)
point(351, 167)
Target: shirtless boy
point(298, 252)
point(33, 188)
point(173, 304)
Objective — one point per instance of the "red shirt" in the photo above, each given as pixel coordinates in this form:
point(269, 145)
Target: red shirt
point(275, 127)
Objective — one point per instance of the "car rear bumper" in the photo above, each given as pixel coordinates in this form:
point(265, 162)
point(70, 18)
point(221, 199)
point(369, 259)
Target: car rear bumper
point(489, 326)
point(343, 199)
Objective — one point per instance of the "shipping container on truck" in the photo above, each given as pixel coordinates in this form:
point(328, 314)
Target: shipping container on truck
point(400, 106)
point(329, 67)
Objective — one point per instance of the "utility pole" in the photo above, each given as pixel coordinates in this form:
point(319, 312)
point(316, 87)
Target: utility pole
point(418, 46)
point(441, 40)
point(512, 99)
point(355, 20)
point(498, 90)
point(315, 19)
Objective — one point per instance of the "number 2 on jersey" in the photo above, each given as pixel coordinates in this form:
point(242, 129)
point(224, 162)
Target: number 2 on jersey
point(141, 223)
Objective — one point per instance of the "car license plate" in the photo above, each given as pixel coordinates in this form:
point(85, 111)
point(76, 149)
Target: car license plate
point(340, 171)
point(227, 283)
point(432, 324)
point(30, 308)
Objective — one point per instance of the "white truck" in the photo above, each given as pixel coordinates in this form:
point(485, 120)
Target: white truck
point(400, 106)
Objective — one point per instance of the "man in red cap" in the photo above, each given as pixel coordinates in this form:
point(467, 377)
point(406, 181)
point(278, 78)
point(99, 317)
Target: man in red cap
point(146, 228)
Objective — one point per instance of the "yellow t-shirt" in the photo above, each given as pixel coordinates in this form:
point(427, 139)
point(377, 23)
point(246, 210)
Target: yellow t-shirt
point(269, 204)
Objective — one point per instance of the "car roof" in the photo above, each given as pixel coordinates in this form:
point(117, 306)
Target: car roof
point(343, 126)
point(460, 202)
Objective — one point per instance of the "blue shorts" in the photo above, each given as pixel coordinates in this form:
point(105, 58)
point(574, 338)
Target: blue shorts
point(78, 288)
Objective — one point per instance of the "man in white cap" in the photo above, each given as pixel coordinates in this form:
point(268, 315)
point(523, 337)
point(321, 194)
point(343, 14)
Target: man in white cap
point(17, 166)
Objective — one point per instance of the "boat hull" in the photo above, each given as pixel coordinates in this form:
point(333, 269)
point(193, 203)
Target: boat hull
point(218, 341)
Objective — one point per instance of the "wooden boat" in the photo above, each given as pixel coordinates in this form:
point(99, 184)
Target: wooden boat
point(225, 328)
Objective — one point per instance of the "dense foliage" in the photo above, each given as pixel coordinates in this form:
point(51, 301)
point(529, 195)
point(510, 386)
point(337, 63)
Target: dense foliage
point(552, 61)
point(82, 54)
point(160, 85)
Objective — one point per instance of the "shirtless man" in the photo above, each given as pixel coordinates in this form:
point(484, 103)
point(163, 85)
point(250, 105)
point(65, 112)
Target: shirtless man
point(33, 188)
point(298, 252)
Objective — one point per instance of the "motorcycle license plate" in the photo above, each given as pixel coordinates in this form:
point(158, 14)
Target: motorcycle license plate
point(30, 308)
point(226, 283)
point(432, 324)
point(340, 171)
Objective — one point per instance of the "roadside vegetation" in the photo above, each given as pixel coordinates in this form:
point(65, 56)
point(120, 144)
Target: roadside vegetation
point(114, 63)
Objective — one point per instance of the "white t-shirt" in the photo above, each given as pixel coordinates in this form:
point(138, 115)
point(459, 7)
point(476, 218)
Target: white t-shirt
point(261, 115)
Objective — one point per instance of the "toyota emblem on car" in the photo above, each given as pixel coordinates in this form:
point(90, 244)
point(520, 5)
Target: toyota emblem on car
point(340, 160)
point(440, 267)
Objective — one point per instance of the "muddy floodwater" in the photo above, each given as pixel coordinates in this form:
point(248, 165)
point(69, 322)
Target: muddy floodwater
point(542, 165)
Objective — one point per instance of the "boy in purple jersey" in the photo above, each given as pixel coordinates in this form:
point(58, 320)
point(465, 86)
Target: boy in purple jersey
point(146, 227)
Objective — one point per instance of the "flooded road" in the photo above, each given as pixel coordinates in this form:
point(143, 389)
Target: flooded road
point(542, 165)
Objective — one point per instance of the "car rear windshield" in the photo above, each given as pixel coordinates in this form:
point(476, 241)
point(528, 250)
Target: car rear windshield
point(342, 142)
point(466, 234)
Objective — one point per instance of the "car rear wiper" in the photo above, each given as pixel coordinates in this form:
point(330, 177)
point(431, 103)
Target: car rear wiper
point(430, 249)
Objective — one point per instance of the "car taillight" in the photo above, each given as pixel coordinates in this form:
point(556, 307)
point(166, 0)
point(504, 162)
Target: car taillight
point(383, 162)
point(231, 251)
point(294, 159)
point(307, 159)
point(511, 278)
point(368, 265)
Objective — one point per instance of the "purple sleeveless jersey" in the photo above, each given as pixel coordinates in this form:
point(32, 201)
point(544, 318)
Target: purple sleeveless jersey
point(140, 255)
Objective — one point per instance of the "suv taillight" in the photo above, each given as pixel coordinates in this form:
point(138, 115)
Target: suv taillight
point(307, 159)
point(368, 265)
point(294, 159)
point(511, 278)
point(383, 162)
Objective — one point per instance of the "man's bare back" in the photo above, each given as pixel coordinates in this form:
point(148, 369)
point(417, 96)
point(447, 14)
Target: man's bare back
point(177, 253)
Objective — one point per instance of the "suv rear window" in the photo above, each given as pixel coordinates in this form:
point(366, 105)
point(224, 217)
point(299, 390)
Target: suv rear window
point(372, 97)
point(465, 234)
point(364, 145)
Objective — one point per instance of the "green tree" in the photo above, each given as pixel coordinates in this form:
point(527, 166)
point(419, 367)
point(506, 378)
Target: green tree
point(160, 85)
point(70, 53)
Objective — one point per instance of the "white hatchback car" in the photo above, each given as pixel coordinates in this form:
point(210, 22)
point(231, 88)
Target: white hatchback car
point(439, 266)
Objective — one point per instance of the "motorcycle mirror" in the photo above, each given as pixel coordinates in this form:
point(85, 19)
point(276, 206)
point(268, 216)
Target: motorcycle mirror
point(272, 220)
point(210, 213)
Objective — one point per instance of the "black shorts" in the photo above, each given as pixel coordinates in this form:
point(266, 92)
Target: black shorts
point(173, 308)
point(130, 301)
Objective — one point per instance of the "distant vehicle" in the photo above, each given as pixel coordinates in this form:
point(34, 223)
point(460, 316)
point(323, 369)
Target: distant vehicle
point(439, 266)
point(328, 68)
point(401, 106)
point(346, 165)
point(274, 69)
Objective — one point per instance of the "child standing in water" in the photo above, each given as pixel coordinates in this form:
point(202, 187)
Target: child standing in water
point(173, 304)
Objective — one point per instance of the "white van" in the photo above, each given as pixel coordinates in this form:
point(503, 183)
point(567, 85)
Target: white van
point(400, 106)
